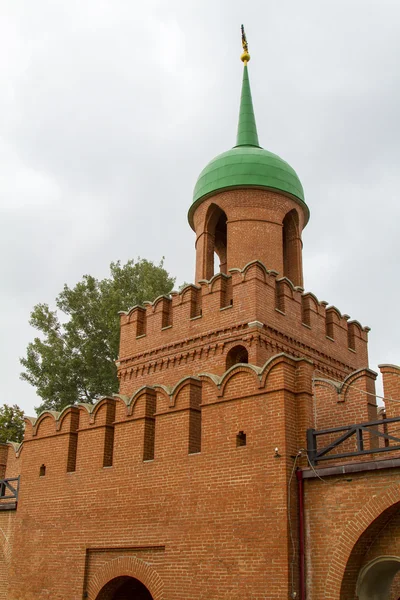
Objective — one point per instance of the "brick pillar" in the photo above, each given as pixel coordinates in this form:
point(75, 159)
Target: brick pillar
point(391, 389)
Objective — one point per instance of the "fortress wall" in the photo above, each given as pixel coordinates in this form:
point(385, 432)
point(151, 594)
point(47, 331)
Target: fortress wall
point(210, 512)
point(159, 421)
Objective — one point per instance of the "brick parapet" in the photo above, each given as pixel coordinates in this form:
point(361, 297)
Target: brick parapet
point(190, 396)
point(199, 324)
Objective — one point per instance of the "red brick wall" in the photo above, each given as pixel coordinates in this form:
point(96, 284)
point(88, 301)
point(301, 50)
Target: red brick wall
point(211, 521)
point(155, 484)
point(345, 519)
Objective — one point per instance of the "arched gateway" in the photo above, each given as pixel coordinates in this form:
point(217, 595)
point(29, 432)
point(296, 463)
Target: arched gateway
point(125, 578)
point(124, 588)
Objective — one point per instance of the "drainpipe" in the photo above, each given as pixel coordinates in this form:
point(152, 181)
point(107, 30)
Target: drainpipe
point(300, 490)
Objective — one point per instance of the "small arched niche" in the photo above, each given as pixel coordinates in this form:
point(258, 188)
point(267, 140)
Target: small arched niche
point(237, 354)
point(292, 248)
point(215, 242)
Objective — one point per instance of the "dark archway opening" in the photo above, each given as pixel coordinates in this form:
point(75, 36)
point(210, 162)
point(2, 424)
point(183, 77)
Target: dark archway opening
point(215, 255)
point(237, 354)
point(124, 588)
point(292, 248)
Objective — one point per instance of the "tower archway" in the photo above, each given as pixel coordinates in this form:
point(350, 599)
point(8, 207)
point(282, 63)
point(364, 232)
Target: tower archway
point(212, 244)
point(292, 248)
point(124, 588)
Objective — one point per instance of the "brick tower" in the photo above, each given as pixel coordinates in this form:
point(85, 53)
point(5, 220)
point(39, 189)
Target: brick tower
point(248, 210)
point(183, 485)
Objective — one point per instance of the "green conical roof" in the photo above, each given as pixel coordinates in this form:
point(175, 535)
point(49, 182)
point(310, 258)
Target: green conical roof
point(247, 129)
point(247, 164)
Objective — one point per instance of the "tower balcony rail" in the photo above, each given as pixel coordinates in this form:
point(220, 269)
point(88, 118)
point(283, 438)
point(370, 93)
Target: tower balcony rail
point(354, 440)
point(9, 493)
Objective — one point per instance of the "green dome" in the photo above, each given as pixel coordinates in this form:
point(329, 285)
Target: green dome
point(247, 164)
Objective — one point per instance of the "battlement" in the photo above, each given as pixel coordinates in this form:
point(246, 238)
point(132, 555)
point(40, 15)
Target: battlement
point(207, 317)
point(205, 414)
point(202, 414)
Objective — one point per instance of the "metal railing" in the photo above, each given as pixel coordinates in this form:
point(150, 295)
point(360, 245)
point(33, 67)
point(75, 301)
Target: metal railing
point(355, 440)
point(9, 493)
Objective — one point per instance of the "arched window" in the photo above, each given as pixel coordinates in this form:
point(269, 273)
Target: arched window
point(237, 354)
point(221, 241)
point(292, 246)
point(216, 242)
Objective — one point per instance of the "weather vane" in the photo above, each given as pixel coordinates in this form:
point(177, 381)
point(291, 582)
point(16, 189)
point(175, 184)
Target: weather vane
point(245, 56)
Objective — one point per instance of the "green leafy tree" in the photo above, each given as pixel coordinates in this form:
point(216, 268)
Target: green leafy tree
point(11, 423)
point(73, 360)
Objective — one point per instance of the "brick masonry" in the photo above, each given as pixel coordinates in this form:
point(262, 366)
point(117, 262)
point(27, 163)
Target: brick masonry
point(183, 483)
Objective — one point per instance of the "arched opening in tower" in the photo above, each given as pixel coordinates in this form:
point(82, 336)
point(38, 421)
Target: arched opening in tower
point(124, 588)
point(237, 354)
point(221, 241)
point(215, 255)
point(292, 247)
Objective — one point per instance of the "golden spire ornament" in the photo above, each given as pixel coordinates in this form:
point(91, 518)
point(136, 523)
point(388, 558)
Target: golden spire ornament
point(245, 56)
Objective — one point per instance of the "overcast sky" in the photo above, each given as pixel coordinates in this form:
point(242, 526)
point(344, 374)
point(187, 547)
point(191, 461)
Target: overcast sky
point(110, 109)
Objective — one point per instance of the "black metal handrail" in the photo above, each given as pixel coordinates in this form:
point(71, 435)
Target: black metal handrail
point(9, 489)
point(358, 430)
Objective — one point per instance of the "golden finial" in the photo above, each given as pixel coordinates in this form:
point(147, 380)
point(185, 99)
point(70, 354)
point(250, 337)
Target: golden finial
point(245, 56)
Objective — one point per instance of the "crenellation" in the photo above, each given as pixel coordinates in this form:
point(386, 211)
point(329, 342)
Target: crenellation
point(391, 389)
point(216, 294)
point(45, 424)
point(289, 298)
point(85, 436)
point(255, 294)
point(192, 295)
point(13, 459)
point(309, 309)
